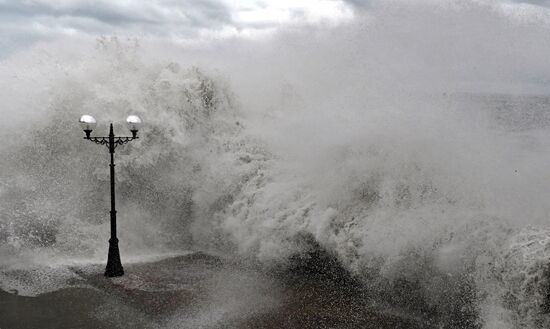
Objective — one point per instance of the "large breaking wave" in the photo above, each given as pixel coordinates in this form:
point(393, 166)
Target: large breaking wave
point(435, 200)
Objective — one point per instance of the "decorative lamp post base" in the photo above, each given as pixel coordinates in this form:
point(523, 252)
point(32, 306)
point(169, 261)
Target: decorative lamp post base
point(114, 266)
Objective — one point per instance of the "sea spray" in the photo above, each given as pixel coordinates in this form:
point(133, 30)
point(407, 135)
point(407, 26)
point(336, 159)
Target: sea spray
point(365, 141)
point(55, 184)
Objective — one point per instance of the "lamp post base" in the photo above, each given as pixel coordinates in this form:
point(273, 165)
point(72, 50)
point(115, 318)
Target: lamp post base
point(114, 266)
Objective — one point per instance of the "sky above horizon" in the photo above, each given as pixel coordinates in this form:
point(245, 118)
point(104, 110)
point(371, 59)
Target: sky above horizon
point(25, 22)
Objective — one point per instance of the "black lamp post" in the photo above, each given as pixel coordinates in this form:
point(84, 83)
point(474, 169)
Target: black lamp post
point(88, 123)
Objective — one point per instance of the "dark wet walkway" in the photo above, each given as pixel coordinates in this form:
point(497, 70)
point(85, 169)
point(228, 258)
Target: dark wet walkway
point(199, 291)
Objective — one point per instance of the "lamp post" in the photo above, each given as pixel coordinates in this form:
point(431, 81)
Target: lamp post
point(88, 123)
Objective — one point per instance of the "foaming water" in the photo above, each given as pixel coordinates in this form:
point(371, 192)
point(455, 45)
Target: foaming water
point(366, 139)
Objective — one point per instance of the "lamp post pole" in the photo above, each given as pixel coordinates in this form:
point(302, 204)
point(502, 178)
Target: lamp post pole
point(114, 266)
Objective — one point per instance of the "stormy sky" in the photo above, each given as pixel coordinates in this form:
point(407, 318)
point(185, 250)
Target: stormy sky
point(24, 22)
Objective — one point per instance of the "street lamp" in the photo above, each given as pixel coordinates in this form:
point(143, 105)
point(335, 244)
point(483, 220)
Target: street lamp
point(88, 123)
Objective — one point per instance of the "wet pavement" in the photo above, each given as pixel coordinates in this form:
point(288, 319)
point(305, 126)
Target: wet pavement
point(201, 291)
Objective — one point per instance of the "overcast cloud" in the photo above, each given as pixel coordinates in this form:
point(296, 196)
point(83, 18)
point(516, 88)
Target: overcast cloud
point(536, 2)
point(23, 22)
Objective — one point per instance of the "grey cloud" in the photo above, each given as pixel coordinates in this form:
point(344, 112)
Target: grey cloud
point(99, 12)
point(203, 13)
point(24, 22)
point(545, 3)
point(362, 4)
point(188, 12)
point(359, 3)
point(171, 19)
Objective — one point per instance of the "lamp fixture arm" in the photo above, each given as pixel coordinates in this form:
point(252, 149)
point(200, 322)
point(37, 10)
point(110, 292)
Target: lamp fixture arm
point(105, 140)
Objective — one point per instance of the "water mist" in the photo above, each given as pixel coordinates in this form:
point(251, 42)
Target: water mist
point(408, 143)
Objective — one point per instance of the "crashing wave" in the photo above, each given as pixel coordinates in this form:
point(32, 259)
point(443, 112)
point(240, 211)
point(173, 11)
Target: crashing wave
point(404, 210)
